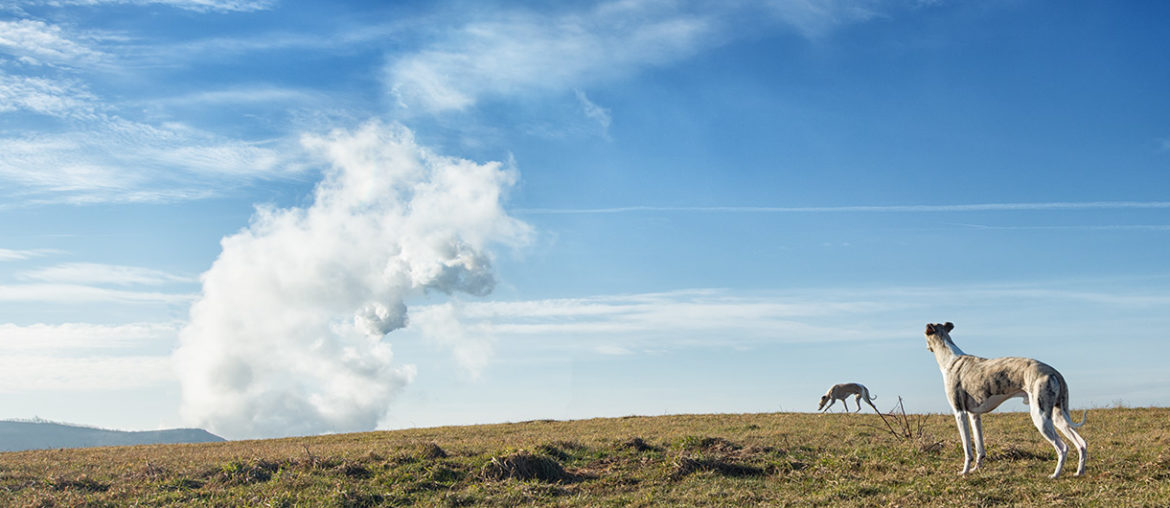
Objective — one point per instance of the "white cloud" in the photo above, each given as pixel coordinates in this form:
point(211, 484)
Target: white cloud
point(116, 160)
point(817, 18)
point(20, 255)
point(515, 53)
point(672, 319)
point(654, 322)
point(595, 113)
point(974, 207)
point(36, 42)
point(85, 357)
point(191, 5)
point(245, 95)
point(93, 273)
point(35, 373)
point(521, 52)
point(44, 96)
point(287, 337)
point(471, 344)
point(76, 293)
point(68, 339)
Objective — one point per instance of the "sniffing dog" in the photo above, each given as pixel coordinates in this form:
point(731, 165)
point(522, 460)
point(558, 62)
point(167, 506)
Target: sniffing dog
point(977, 385)
point(843, 391)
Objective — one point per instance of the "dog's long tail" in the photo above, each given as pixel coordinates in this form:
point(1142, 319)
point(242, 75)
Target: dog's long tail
point(1064, 405)
point(869, 400)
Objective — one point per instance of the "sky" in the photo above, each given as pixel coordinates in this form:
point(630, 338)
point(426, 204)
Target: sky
point(270, 218)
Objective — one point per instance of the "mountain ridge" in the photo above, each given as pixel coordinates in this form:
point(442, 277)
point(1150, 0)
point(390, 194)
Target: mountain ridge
point(37, 434)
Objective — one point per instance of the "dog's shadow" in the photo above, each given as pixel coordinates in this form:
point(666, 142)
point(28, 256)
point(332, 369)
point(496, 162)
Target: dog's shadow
point(1012, 454)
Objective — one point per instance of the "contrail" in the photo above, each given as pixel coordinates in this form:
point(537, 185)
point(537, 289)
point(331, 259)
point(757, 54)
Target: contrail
point(976, 207)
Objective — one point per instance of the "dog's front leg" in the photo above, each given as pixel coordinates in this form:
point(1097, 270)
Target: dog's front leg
point(977, 436)
point(965, 437)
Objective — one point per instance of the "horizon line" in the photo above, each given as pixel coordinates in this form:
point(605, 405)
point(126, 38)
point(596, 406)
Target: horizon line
point(975, 207)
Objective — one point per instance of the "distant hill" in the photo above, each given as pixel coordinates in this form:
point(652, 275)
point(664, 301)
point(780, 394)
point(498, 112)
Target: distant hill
point(35, 435)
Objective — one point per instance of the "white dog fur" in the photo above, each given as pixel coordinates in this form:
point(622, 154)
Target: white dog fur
point(977, 385)
point(843, 391)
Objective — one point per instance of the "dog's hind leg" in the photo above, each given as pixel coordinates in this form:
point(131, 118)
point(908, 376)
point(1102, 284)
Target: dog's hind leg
point(857, 400)
point(1064, 425)
point(1042, 419)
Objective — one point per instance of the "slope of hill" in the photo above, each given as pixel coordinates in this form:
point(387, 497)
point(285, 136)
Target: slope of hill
point(35, 435)
point(684, 460)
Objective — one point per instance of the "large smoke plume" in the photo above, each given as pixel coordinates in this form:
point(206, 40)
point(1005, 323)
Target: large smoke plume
point(287, 337)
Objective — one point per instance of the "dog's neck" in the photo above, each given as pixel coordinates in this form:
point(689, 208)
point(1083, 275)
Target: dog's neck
point(945, 350)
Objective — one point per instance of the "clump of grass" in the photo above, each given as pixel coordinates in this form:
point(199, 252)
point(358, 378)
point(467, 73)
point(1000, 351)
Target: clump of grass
point(82, 483)
point(244, 472)
point(181, 484)
point(559, 450)
point(686, 464)
point(431, 451)
point(707, 444)
point(525, 466)
point(637, 444)
point(1012, 454)
point(353, 469)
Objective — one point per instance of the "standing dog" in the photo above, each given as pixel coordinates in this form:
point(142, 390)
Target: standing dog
point(977, 385)
point(843, 391)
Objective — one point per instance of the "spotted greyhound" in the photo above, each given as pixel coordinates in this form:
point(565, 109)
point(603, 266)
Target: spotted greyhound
point(977, 385)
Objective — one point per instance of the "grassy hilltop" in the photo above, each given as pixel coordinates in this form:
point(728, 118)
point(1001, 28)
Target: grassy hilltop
point(717, 460)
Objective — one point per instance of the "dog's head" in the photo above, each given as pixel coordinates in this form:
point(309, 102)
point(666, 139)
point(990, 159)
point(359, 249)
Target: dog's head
point(938, 335)
point(824, 400)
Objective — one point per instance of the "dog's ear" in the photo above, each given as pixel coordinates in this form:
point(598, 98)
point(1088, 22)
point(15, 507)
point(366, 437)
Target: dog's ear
point(929, 329)
point(949, 326)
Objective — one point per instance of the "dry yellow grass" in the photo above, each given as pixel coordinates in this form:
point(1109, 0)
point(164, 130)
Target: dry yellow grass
point(714, 460)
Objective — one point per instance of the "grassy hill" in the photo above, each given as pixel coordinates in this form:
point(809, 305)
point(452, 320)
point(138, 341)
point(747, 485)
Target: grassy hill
point(716, 460)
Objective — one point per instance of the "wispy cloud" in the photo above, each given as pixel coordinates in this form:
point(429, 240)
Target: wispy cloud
point(519, 52)
point(190, 5)
point(39, 43)
point(245, 95)
point(94, 273)
point(112, 159)
point(78, 293)
point(1084, 227)
point(976, 207)
point(619, 324)
point(39, 373)
point(85, 356)
point(815, 19)
point(20, 255)
point(71, 338)
point(97, 152)
point(58, 98)
point(654, 322)
point(595, 113)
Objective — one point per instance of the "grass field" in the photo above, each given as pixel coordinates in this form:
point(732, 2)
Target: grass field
point(714, 460)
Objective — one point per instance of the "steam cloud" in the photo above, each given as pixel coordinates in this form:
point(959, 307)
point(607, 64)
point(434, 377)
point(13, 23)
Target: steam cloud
point(287, 337)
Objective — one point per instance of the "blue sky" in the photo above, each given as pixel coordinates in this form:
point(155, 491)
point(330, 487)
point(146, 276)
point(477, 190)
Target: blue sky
point(271, 218)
